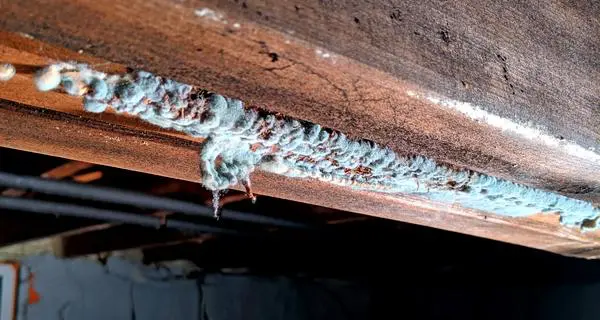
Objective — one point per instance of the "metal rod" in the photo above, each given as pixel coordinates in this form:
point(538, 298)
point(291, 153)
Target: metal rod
point(47, 207)
point(112, 195)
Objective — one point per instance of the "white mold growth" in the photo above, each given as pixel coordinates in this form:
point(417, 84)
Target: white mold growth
point(240, 139)
point(210, 14)
point(48, 78)
point(7, 71)
point(323, 54)
point(526, 131)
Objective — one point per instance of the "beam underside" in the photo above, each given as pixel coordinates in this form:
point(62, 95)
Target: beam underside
point(237, 63)
point(361, 99)
point(48, 132)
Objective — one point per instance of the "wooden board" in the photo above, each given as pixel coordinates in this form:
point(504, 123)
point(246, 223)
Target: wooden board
point(305, 80)
point(367, 99)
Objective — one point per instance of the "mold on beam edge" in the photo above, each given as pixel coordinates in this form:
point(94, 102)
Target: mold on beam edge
point(240, 139)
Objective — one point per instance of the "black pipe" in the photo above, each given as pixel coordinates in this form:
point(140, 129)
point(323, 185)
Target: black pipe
point(47, 207)
point(112, 195)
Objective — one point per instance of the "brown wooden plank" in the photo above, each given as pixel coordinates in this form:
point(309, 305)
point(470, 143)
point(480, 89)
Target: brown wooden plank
point(118, 238)
point(41, 227)
point(66, 170)
point(363, 101)
point(522, 59)
point(63, 171)
point(339, 93)
point(88, 177)
point(32, 129)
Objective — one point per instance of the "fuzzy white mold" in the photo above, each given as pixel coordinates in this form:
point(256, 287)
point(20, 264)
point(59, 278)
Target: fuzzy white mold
point(240, 139)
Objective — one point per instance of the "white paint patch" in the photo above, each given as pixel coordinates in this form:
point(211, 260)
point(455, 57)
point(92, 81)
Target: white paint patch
point(527, 131)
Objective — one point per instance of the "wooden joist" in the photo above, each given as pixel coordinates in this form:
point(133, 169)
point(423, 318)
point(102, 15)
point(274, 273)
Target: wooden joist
point(380, 94)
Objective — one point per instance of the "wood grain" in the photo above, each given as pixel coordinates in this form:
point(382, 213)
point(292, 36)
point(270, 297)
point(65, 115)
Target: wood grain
point(527, 60)
point(358, 96)
point(352, 96)
point(54, 133)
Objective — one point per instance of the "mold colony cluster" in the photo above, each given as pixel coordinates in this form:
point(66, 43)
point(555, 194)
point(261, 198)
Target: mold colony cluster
point(239, 140)
point(7, 71)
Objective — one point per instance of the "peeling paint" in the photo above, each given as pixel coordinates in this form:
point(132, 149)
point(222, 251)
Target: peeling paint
point(240, 139)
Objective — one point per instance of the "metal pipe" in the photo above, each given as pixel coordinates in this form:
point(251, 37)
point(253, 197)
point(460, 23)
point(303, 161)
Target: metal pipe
point(47, 207)
point(112, 195)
